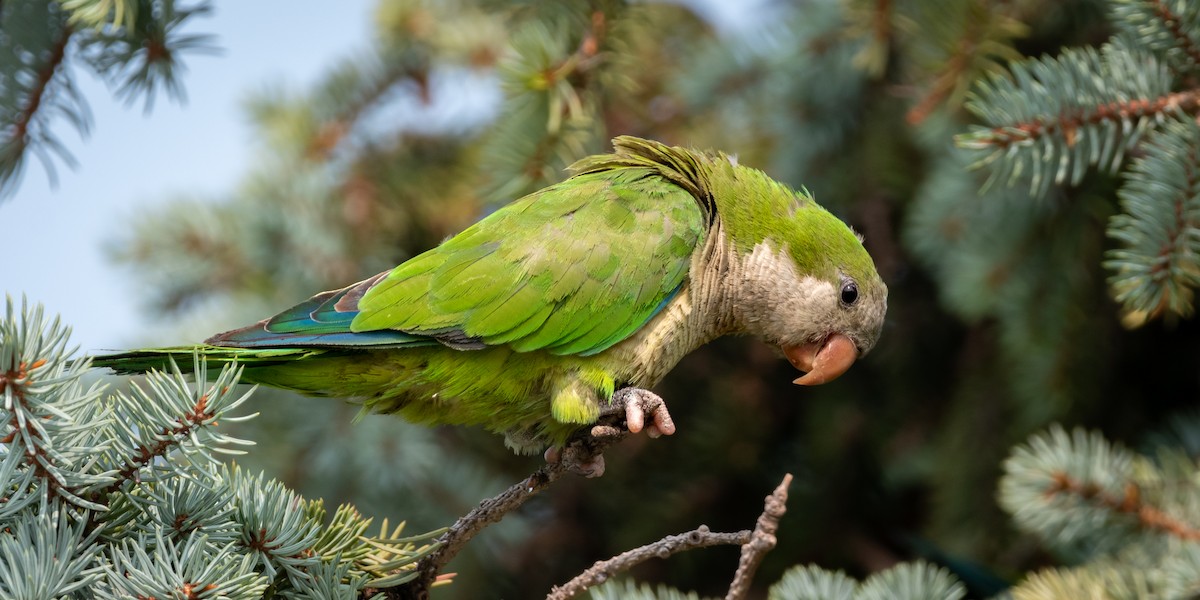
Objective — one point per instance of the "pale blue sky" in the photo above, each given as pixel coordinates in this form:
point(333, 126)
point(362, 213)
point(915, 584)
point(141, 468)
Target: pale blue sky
point(53, 237)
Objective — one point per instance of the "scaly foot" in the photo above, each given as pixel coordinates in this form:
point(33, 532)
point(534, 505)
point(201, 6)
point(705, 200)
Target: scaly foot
point(589, 466)
point(637, 403)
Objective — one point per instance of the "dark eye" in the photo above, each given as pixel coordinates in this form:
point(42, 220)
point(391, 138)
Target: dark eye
point(849, 293)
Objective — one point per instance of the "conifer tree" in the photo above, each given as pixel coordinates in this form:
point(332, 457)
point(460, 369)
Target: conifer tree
point(120, 495)
point(1013, 283)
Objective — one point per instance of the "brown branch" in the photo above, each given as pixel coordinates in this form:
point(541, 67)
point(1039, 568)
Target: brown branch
point(600, 572)
point(167, 438)
point(58, 54)
point(330, 133)
point(1148, 516)
point(1174, 25)
point(579, 452)
point(956, 66)
point(761, 541)
point(1177, 233)
point(1069, 122)
point(881, 22)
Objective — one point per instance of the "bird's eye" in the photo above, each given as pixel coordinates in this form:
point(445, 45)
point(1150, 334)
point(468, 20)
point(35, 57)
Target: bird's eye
point(849, 293)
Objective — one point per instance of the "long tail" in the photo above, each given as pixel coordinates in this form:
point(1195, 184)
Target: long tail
point(140, 361)
point(311, 371)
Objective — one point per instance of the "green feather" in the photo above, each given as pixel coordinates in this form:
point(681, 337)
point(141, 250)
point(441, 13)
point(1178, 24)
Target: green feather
point(590, 249)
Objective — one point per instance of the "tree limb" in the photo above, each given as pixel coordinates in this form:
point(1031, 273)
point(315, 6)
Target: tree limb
point(598, 573)
point(761, 541)
point(581, 450)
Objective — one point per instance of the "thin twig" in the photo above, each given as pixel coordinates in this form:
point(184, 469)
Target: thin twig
point(579, 451)
point(598, 573)
point(761, 541)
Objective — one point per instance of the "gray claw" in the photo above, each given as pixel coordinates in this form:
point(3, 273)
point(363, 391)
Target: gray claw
point(639, 403)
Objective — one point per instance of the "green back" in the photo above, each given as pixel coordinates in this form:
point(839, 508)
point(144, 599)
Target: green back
point(571, 269)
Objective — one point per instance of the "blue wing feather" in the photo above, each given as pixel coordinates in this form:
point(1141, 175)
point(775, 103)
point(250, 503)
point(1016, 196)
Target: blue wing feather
point(323, 320)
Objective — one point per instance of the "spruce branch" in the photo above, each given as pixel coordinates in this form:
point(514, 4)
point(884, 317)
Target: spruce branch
point(962, 41)
point(808, 582)
point(551, 85)
point(45, 556)
point(42, 411)
point(912, 581)
point(1088, 497)
point(1069, 122)
point(175, 416)
point(34, 91)
point(945, 82)
point(135, 44)
point(1166, 27)
point(603, 570)
point(159, 567)
point(1129, 501)
point(140, 60)
point(871, 21)
point(1157, 270)
point(37, 94)
point(121, 494)
point(761, 541)
point(1053, 117)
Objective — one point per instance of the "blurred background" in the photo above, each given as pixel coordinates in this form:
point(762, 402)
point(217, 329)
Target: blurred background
point(321, 144)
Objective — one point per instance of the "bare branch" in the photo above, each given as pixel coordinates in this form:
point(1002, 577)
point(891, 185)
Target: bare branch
point(761, 541)
point(578, 453)
point(598, 573)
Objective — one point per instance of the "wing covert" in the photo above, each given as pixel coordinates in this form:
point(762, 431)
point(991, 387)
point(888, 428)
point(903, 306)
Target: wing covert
point(572, 269)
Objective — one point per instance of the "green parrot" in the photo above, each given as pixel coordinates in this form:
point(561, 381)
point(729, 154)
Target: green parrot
point(572, 301)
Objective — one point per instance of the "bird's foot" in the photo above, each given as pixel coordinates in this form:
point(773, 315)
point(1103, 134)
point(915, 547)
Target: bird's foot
point(637, 404)
point(582, 454)
point(588, 466)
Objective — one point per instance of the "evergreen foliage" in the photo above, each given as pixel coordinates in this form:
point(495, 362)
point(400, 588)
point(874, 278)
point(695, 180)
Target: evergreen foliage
point(134, 45)
point(1049, 119)
point(1127, 521)
point(1001, 318)
point(119, 495)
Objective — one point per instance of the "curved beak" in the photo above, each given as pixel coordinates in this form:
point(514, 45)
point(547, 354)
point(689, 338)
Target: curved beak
point(822, 361)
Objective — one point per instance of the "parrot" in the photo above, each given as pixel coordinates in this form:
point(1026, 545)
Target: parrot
point(573, 301)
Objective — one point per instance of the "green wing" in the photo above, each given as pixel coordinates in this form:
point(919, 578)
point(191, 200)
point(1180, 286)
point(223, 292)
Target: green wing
point(572, 269)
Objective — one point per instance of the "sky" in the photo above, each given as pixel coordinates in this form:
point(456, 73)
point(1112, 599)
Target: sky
point(54, 238)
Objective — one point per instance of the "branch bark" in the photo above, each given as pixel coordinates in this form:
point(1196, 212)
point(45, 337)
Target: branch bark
point(598, 573)
point(579, 452)
point(761, 541)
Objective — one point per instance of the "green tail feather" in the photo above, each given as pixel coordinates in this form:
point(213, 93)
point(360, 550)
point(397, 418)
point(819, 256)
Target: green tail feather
point(141, 361)
point(312, 371)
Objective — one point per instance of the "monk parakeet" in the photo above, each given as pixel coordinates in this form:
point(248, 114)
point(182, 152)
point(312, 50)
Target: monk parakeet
point(571, 301)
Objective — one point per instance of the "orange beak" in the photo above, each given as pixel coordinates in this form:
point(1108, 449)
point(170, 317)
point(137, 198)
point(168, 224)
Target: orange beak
point(822, 361)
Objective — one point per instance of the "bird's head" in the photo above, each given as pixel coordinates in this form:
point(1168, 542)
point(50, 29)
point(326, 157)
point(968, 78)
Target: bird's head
point(806, 283)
